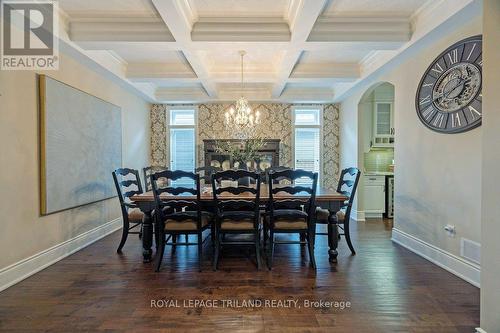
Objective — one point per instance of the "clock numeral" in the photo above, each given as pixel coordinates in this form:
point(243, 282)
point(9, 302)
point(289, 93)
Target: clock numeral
point(453, 56)
point(428, 113)
point(471, 50)
point(424, 100)
point(438, 121)
point(438, 69)
point(474, 113)
point(427, 84)
point(455, 120)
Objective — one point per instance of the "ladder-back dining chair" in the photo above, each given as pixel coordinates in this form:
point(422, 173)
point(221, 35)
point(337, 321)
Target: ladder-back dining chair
point(237, 210)
point(291, 215)
point(347, 185)
point(148, 171)
point(178, 215)
point(206, 173)
point(128, 183)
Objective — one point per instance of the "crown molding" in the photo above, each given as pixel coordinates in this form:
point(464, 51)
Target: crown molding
point(307, 95)
point(144, 71)
point(326, 70)
point(113, 30)
point(241, 29)
point(187, 9)
point(292, 12)
point(181, 95)
point(361, 29)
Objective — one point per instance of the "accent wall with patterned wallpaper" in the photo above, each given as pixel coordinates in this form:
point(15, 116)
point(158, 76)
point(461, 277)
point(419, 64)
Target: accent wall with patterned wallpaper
point(276, 123)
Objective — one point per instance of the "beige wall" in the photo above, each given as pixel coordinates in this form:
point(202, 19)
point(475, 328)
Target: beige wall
point(437, 176)
point(24, 233)
point(490, 231)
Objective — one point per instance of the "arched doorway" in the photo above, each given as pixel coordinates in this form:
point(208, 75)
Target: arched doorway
point(376, 137)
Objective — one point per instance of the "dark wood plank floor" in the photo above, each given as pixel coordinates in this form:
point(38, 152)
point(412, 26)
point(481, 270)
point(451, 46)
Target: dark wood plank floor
point(389, 288)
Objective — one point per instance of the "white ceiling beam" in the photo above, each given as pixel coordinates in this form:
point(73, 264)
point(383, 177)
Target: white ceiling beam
point(144, 71)
point(113, 30)
point(361, 29)
point(304, 17)
point(181, 95)
point(232, 92)
point(326, 70)
point(307, 95)
point(241, 29)
point(179, 21)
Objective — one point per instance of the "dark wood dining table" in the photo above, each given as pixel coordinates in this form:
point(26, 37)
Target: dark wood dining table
point(325, 198)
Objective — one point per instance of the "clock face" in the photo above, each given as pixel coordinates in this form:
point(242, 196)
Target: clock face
point(449, 95)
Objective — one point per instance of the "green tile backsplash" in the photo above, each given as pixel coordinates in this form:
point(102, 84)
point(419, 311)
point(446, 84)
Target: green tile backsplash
point(379, 159)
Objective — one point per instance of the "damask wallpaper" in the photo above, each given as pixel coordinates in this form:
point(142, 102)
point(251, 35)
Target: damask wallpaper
point(276, 123)
point(159, 135)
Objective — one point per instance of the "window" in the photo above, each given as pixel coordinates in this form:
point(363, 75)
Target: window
point(307, 143)
point(182, 142)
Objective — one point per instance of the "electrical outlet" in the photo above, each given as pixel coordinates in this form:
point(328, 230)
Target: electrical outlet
point(450, 230)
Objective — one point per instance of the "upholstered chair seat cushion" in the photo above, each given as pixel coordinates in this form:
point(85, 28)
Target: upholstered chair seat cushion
point(135, 215)
point(322, 215)
point(246, 224)
point(189, 223)
point(289, 219)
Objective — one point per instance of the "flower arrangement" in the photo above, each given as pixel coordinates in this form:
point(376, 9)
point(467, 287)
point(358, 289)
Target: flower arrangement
point(246, 151)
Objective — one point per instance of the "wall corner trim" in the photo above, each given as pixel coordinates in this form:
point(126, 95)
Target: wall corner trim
point(460, 267)
point(23, 269)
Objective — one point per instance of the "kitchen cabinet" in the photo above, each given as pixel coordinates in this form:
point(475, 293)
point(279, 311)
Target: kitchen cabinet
point(383, 124)
point(374, 195)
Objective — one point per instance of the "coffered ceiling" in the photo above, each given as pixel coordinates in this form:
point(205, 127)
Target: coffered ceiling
point(178, 51)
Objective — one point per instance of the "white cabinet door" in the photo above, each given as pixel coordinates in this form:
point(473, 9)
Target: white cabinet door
point(374, 199)
point(383, 124)
point(383, 119)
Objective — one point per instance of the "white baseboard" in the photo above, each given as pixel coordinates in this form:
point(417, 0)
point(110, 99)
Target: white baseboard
point(462, 268)
point(480, 330)
point(358, 215)
point(374, 215)
point(19, 271)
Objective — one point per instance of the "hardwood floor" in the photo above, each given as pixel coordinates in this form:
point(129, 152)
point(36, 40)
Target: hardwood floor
point(390, 290)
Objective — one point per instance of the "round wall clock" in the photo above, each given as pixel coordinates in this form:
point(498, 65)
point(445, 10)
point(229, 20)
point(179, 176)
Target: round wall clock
point(449, 98)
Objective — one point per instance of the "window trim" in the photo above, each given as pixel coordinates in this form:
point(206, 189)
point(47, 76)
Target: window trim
point(320, 126)
point(169, 126)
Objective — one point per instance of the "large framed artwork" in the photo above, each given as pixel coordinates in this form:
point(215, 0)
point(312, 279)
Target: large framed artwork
point(80, 145)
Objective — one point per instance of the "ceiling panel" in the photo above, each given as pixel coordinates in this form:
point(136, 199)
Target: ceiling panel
point(256, 59)
point(149, 52)
point(239, 8)
point(108, 8)
point(335, 53)
point(371, 7)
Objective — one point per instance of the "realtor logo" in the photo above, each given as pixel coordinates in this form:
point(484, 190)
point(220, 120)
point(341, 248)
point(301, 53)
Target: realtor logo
point(29, 35)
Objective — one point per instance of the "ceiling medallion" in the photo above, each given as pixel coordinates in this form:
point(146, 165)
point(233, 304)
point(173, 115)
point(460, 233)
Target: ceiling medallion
point(241, 120)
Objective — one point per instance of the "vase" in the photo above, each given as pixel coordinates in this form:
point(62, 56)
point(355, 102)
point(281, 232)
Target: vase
point(244, 181)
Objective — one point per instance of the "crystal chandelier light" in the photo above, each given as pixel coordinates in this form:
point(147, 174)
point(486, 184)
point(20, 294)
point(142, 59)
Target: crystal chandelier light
point(241, 120)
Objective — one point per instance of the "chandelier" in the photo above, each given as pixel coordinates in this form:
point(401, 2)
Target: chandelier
point(241, 120)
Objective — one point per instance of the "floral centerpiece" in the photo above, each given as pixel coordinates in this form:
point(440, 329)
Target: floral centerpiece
point(246, 151)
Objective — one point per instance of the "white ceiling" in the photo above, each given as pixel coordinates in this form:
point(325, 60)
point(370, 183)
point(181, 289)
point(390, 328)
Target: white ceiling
point(187, 50)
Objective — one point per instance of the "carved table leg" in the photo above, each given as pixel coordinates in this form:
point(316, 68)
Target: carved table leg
point(333, 239)
point(303, 238)
point(147, 237)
